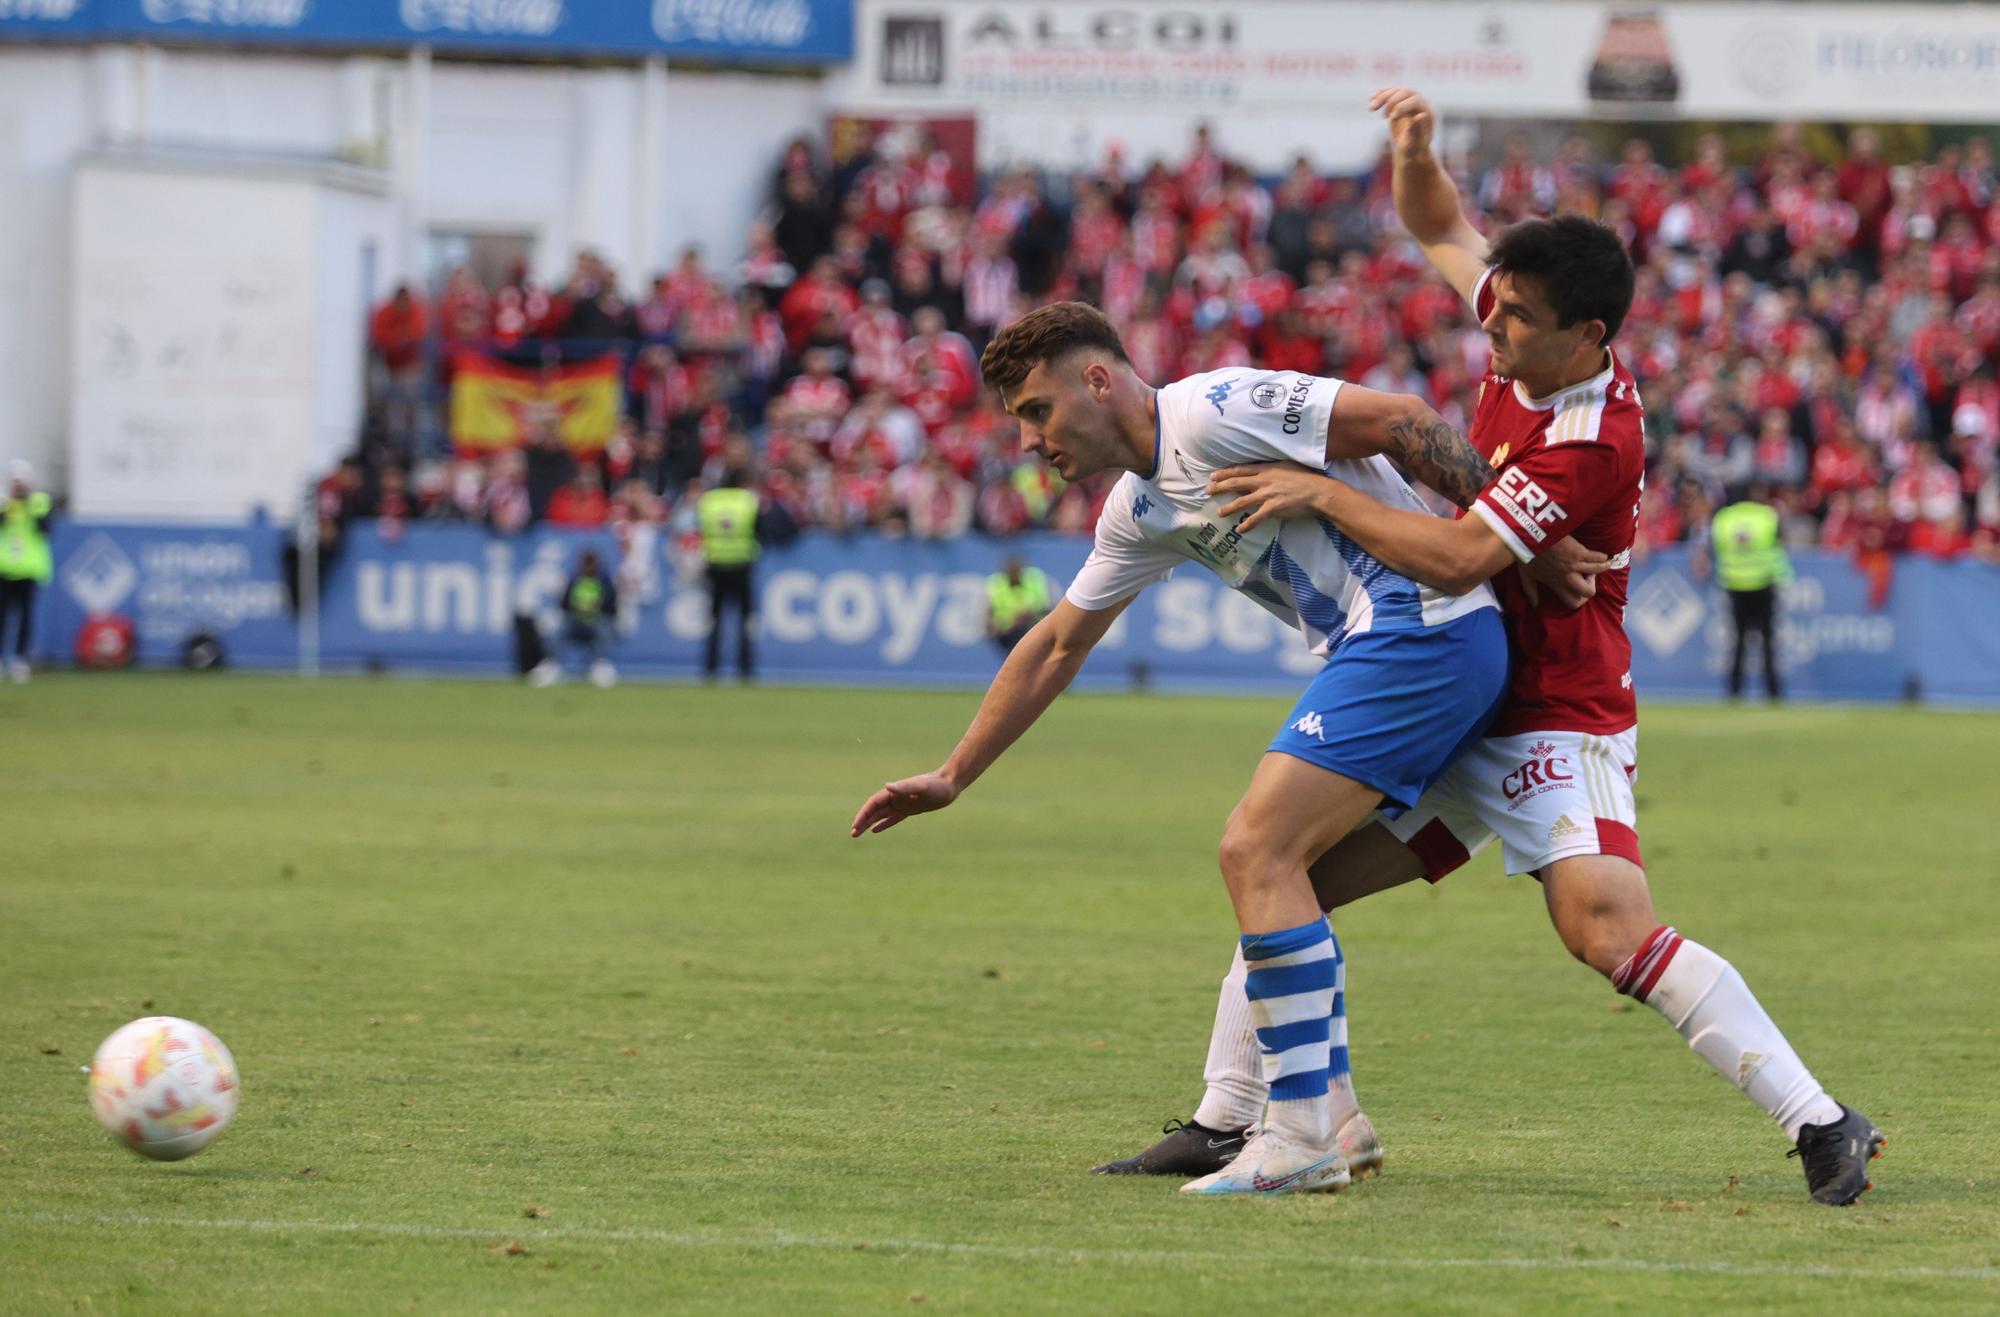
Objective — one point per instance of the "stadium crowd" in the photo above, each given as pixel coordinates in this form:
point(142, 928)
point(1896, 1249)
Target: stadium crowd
point(1828, 329)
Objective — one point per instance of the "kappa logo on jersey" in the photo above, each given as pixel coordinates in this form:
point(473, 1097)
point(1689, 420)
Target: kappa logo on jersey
point(1545, 770)
point(1527, 503)
point(1266, 395)
point(1220, 394)
point(1310, 725)
point(1141, 506)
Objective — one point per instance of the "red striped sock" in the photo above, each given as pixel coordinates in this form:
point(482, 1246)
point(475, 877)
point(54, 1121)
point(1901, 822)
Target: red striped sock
point(1636, 977)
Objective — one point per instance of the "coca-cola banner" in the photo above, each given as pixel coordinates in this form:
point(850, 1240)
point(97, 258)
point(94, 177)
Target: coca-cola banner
point(1706, 59)
point(761, 31)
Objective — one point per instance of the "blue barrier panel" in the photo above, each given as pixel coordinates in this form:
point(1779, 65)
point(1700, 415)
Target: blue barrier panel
point(869, 609)
point(173, 582)
point(860, 608)
point(1832, 645)
point(808, 31)
point(1952, 625)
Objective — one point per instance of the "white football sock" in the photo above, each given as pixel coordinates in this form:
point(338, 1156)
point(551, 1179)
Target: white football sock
point(1707, 1001)
point(1235, 1069)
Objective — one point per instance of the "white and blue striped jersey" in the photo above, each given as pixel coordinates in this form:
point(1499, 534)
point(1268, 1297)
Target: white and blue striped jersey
point(1303, 570)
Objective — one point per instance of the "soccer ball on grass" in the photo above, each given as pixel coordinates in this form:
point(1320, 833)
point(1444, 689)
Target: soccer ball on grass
point(164, 1087)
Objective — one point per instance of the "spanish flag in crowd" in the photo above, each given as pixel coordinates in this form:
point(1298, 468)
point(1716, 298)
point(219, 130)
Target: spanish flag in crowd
point(493, 404)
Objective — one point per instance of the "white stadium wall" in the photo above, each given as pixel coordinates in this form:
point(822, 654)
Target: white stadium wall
point(634, 161)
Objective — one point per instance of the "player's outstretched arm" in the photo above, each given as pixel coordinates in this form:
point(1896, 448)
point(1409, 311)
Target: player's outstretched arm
point(1426, 200)
point(1040, 667)
point(1367, 422)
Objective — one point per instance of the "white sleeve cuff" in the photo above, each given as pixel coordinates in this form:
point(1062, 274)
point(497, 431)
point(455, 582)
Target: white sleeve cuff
point(1499, 527)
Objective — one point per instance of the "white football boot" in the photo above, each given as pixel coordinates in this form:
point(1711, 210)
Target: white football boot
point(603, 675)
point(1360, 1146)
point(18, 671)
point(1273, 1163)
point(546, 673)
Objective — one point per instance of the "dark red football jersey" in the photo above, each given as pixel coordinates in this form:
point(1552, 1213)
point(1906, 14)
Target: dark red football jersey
point(1572, 464)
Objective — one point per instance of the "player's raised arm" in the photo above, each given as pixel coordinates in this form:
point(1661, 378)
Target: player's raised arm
point(1426, 200)
point(1040, 667)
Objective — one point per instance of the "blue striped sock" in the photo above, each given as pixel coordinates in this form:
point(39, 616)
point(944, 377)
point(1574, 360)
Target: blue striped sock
point(1339, 1070)
point(1290, 987)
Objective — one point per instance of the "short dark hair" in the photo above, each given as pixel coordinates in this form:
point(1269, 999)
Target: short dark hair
point(1583, 269)
point(1047, 333)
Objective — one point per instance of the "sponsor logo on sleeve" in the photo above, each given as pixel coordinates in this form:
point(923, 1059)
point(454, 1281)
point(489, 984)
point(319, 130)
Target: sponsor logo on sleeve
point(1527, 503)
point(1220, 394)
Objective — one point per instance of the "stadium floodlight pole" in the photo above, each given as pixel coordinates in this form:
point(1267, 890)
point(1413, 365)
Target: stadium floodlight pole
point(308, 540)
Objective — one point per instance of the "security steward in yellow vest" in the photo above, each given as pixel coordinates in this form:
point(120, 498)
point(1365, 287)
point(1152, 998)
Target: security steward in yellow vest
point(1750, 565)
point(1017, 597)
point(25, 562)
point(727, 518)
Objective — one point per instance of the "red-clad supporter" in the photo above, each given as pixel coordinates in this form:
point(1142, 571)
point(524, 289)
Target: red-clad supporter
point(818, 398)
point(875, 339)
point(465, 310)
point(661, 388)
point(1942, 537)
point(581, 503)
point(939, 374)
point(397, 329)
point(1841, 466)
point(821, 292)
point(1926, 489)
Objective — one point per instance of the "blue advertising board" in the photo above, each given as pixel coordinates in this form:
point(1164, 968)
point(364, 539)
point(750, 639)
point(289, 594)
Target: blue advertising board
point(867, 609)
point(804, 31)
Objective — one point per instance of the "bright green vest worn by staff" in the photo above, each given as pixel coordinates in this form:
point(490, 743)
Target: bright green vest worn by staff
point(24, 550)
point(1012, 602)
point(586, 598)
point(728, 519)
point(1749, 554)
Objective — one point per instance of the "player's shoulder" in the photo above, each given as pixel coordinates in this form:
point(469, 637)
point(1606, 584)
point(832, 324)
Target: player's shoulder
point(1603, 409)
point(1118, 520)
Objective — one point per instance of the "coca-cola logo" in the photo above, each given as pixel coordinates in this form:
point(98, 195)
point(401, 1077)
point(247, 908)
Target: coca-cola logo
point(228, 13)
point(514, 18)
point(780, 23)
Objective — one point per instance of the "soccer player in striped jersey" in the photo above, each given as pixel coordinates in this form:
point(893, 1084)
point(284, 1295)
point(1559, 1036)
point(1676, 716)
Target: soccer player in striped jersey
point(1559, 419)
point(1411, 674)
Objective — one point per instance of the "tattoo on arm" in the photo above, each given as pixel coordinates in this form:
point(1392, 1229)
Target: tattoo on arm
point(1433, 451)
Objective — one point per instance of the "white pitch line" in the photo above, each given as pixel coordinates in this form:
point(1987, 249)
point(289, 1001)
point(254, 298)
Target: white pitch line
point(1014, 1252)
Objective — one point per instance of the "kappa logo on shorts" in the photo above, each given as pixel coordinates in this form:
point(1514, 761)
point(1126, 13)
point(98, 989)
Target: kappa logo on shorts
point(1545, 770)
point(1310, 725)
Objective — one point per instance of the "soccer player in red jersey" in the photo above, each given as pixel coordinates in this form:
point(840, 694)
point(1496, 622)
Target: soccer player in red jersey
point(1559, 422)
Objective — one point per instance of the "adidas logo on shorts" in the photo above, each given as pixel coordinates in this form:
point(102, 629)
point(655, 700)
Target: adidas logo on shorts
point(1564, 828)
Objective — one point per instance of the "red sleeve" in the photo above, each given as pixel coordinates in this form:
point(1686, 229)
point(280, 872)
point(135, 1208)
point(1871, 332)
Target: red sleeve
point(1483, 295)
point(1545, 496)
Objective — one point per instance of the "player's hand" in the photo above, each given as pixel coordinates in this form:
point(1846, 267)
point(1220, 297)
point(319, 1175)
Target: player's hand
point(1411, 119)
point(1568, 571)
point(897, 801)
point(1267, 489)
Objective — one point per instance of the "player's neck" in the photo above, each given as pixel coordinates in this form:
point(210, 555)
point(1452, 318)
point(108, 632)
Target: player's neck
point(1584, 366)
point(1142, 435)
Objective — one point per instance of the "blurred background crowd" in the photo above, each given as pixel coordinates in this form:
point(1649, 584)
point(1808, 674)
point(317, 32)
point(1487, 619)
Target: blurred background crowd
point(1809, 317)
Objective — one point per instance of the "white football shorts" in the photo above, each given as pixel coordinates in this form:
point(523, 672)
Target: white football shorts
point(1546, 796)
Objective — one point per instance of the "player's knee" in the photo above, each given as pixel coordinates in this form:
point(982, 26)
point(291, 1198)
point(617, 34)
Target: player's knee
point(1603, 935)
point(1245, 858)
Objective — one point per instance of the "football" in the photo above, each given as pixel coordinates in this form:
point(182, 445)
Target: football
point(164, 1087)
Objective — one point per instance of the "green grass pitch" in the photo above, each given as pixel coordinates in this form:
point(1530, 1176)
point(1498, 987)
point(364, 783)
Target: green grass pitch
point(571, 1001)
